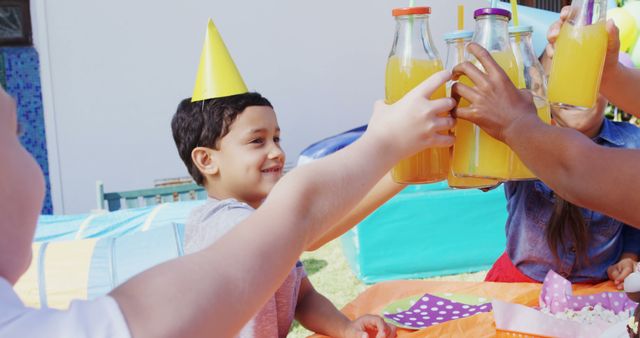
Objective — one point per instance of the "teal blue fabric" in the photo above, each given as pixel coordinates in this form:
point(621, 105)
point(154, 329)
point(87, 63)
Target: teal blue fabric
point(428, 230)
point(116, 259)
point(111, 224)
point(123, 249)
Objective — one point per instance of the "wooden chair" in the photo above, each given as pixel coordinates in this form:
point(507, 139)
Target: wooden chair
point(146, 197)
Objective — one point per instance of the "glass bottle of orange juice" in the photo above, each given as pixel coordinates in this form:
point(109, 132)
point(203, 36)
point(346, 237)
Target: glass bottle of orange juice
point(579, 56)
point(475, 153)
point(413, 59)
point(530, 76)
point(456, 42)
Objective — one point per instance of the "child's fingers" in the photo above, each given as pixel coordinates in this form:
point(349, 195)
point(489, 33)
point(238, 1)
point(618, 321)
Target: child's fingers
point(554, 29)
point(613, 43)
point(381, 326)
point(564, 13)
point(375, 323)
point(430, 85)
point(439, 106)
point(554, 32)
point(611, 272)
point(360, 334)
point(392, 330)
point(443, 123)
point(624, 272)
point(549, 50)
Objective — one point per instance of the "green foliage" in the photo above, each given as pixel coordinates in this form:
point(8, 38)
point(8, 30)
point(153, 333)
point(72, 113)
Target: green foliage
point(313, 265)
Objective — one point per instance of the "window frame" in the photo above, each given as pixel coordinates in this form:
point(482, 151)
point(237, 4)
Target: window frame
point(27, 34)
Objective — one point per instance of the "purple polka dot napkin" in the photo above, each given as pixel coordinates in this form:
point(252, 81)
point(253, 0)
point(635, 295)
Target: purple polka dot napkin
point(557, 295)
point(431, 310)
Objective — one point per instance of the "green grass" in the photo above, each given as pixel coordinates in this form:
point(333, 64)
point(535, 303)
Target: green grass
point(331, 276)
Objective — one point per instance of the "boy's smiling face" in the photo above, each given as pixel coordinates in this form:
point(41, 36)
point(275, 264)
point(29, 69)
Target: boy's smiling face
point(249, 158)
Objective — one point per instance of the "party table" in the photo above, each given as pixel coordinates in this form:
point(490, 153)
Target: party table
point(374, 299)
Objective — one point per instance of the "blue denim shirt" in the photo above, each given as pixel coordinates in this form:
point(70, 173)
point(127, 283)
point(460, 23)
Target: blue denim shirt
point(530, 205)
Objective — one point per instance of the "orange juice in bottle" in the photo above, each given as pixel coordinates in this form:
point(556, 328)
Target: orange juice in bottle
point(412, 60)
point(531, 76)
point(456, 42)
point(579, 56)
point(475, 153)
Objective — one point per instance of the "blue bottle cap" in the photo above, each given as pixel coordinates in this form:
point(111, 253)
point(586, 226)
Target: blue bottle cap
point(521, 29)
point(456, 35)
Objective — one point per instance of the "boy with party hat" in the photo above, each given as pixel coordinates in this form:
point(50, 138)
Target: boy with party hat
point(229, 140)
point(202, 294)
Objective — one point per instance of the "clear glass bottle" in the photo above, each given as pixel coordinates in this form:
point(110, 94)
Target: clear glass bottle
point(413, 59)
point(530, 76)
point(475, 153)
point(579, 56)
point(456, 42)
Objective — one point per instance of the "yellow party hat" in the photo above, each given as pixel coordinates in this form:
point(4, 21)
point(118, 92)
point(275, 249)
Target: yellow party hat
point(217, 74)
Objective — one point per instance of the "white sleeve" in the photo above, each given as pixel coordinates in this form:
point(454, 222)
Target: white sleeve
point(97, 318)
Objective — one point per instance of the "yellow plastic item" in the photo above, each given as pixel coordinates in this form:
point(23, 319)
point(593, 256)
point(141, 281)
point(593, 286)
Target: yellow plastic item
point(217, 74)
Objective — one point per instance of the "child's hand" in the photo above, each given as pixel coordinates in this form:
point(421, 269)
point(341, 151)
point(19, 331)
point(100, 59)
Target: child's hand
point(369, 326)
point(613, 44)
point(415, 122)
point(619, 271)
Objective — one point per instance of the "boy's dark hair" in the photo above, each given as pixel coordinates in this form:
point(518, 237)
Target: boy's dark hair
point(203, 123)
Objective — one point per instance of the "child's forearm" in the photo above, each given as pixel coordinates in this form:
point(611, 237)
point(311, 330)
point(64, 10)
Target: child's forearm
point(620, 87)
point(296, 212)
point(381, 192)
point(217, 290)
point(317, 314)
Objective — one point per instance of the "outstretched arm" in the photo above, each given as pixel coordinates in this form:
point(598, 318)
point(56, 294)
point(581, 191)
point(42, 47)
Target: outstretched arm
point(216, 290)
point(572, 165)
point(381, 192)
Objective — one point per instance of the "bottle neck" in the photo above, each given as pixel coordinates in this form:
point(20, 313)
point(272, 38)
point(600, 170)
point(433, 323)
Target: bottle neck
point(413, 38)
point(492, 32)
point(532, 72)
point(587, 12)
point(524, 38)
point(455, 52)
point(524, 52)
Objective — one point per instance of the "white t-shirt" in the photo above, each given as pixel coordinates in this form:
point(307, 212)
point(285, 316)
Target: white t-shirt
point(100, 317)
point(209, 223)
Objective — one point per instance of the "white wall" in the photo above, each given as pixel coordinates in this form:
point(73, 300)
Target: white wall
point(114, 71)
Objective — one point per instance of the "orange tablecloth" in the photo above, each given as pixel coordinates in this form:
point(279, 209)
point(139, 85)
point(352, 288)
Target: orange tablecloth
point(375, 298)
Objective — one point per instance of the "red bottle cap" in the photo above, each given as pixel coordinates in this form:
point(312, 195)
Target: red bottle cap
point(410, 11)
